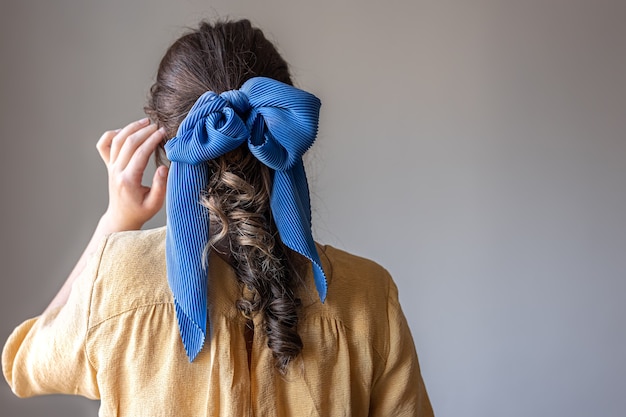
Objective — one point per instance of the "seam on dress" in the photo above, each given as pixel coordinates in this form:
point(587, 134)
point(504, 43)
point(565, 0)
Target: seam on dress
point(387, 344)
point(129, 310)
point(104, 245)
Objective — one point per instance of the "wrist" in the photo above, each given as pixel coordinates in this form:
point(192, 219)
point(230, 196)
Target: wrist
point(110, 223)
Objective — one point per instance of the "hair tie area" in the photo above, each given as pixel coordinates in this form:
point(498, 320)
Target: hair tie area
point(238, 100)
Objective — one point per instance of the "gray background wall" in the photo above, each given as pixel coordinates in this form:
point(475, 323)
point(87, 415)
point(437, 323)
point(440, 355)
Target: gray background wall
point(475, 148)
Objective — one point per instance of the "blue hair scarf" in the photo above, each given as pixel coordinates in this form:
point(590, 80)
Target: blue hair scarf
point(279, 123)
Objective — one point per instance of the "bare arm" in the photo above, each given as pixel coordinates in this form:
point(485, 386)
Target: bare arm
point(126, 153)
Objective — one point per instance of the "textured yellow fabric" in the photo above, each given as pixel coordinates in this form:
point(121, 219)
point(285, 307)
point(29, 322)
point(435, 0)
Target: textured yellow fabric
point(117, 339)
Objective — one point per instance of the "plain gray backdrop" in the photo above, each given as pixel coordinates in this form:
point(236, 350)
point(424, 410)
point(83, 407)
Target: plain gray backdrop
point(476, 149)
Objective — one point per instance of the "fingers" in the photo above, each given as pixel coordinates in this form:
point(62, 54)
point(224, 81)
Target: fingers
point(123, 135)
point(111, 142)
point(104, 144)
point(137, 147)
point(126, 153)
point(136, 156)
point(135, 142)
point(155, 198)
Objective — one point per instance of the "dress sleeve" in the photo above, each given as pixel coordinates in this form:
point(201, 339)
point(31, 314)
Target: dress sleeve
point(46, 354)
point(399, 390)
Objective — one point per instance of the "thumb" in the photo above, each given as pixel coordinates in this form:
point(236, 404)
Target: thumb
point(156, 196)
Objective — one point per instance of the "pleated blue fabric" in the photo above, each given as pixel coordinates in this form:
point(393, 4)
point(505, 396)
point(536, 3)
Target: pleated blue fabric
point(279, 123)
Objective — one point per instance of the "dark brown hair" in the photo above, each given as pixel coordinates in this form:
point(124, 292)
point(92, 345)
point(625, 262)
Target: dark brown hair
point(220, 57)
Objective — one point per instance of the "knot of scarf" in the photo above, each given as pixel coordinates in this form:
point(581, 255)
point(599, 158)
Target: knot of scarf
point(279, 123)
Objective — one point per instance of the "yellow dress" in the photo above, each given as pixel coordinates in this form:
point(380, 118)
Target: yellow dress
point(117, 340)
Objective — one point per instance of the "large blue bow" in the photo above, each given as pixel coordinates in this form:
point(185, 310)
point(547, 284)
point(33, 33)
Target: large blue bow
point(279, 122)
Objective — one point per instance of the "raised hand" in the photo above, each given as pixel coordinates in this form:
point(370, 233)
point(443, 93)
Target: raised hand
point(126, 153)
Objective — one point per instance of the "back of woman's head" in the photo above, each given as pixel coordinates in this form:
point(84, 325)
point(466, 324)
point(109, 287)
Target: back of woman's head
point(215, 57)
point(221, 57)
